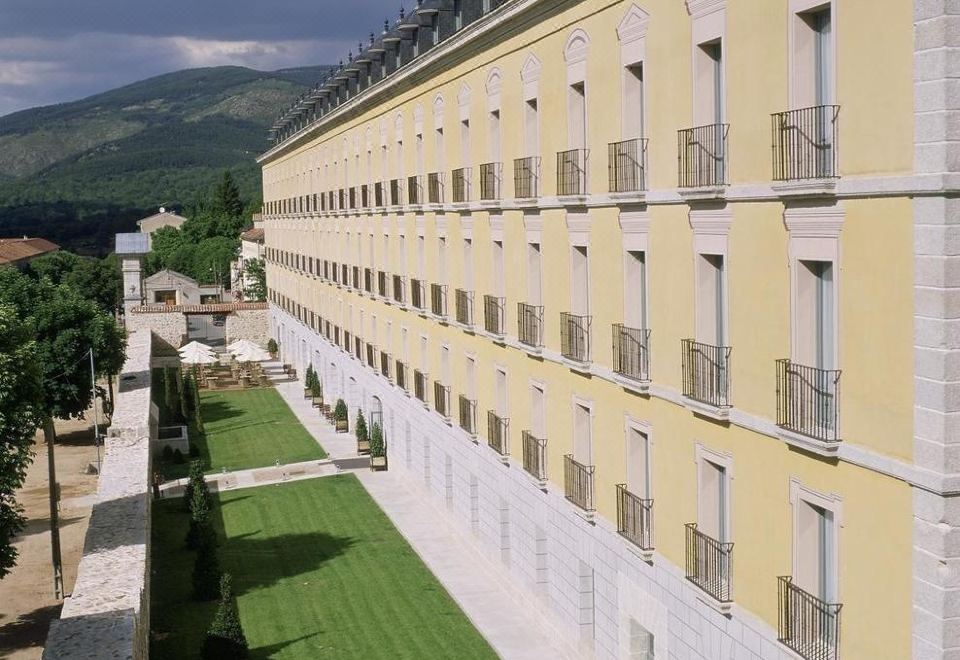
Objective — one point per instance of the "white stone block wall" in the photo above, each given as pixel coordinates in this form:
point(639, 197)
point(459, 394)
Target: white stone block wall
point(583, 576)
point(170, 328)
point(250, 324)
point(107, 615)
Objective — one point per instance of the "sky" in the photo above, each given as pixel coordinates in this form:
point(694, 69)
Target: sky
point(52, 51)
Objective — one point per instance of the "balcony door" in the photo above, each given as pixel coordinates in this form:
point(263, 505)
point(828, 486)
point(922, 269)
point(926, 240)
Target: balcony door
point(638, 463)
point(815, 570)
point(815, 336)
point(713, 501)
point(711, 296)
point(582, 435)
point(538, 412)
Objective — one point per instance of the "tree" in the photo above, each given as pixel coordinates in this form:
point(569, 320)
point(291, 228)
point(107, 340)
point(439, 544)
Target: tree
point(376, 440)
point(99, 280)
point(226, 198)
point(21, 413)
point(206, 572)
point(256, 289)
point(225, 638)
point(361, 426)
point(200, 532)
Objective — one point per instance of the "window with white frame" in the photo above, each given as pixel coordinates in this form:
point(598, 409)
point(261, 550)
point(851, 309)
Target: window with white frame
point(538, 411)
point(534, 275)
point(638, 461)
point(713, 494)
point(635, 289)
point(579, 280)
point(582, 433)
point(817, 519)
point(711, 299)
point(812, 56)
point(468, 264)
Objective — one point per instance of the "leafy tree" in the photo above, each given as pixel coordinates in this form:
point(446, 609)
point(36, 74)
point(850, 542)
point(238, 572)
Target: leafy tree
point(21, 412)
point(340, 410)
point(206, 572)
point(376, 440)
point(226, 198)
point(194, 477)
point(98, 279)
point(256, 290)
point(200, 531)
point(225, 638)
point(212, 258)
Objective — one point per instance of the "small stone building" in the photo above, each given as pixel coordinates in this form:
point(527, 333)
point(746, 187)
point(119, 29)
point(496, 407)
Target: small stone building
point(168, 287)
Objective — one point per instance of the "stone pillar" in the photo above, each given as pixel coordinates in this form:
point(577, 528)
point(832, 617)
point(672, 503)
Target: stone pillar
point(936, 556)
point(132, 267)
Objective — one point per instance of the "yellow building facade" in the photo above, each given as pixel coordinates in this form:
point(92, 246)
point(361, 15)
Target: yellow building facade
point(643, 294)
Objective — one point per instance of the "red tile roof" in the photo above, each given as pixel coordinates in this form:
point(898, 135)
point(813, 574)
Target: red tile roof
point(15, 250)
point(212, 308)
point(255, 235)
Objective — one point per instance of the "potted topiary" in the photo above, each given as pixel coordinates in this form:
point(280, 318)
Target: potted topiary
point(340, 417)
point(273, 348)
point(308, 382)
point(317, 393)
point(363, 441)
point(378, 449)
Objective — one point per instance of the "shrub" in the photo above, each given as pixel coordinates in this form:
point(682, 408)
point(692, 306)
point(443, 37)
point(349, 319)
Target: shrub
point(272, 346)
point(178, 457)
point(194, 481)
point(225, 638)
point(170, 394)
point(376, 440)
point(309, 377)
point(340, 411)
point(200, 533)
point(206, 573)
point(316, 390)
point(194, 450)
point(361, 427)
point(167, 453)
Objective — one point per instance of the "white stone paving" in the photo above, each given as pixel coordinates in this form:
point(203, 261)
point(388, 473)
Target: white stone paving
point(483, 590)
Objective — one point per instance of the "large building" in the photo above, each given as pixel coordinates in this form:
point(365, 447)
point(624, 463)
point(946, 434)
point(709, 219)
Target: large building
point(659, 300)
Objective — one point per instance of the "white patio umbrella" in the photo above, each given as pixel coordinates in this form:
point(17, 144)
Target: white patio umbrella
point(195, 345)
point(196, 355)
point(242, 346)
point(255, 354)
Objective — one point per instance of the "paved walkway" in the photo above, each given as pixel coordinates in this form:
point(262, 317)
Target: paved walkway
point(482, 588)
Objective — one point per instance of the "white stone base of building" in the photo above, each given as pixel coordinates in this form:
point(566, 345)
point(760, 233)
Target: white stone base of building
point(587, 580)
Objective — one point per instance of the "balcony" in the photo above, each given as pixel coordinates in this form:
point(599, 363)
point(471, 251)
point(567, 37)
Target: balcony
point(435, 187)
point(635, 519)
point(490, 181)
point(396, 192)
point(379, 199)
point(535, 457)
point(400, 369)
point(578, 483)
point(807, 406)
point(627, 165)
point(382, 286)
point(526, 177)
point(371, 356)
point(706, 377)
point(438, 300)
point(703, 156)
point(805, 147)
point(468, 415)
point(493, 314)
point(460, 178)
point(418, 294)
point(420, 385)
point(415, 190)
point(708, 564)
point(441, 399)
point(807, 625)
point(400, 289)
point(385, 363)
point(464, 307)
point(530, 325)
point(498, 437)
point(575, 337)
point(631, 354)
point(572, 172)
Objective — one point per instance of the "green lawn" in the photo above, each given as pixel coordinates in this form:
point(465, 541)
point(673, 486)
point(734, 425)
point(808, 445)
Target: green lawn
point(319, 572)
point(247, 429)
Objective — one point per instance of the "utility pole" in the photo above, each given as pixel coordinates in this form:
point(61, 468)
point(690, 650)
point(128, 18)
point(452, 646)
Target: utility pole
point(50, 433)
point(96, 422)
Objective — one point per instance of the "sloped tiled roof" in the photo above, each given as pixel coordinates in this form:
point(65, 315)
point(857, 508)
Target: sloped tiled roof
point(254, 235)
point(168, 216)
point(212, 308)
point(14, 250)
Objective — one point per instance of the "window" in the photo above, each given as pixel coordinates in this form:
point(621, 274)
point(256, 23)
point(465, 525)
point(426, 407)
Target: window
point(501, 392)
point(458, 14)
point(465, 143)
point(445, 365)
point(495, 136)
point(579, 284)
point(538, 411)
point(713, 500)
point(468, 264)
point(816, 344)
point(471, 374)
point(497, 266)
point(435, 29)
point(419, 153)
point(577, 116)
point(638, 463)
point(485, 6)
point(416, 41)
point(421, 256)
point(531, 128)
point(442, 260)
point(633, 101)
point(439, 146)
point(816, 565)
point(635, 289)
point(711, 299)
point(813, 57)
point(709, 83)
point(582, 434)
point(534, 275)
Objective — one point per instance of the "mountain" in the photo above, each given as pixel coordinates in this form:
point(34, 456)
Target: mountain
point(78, 172)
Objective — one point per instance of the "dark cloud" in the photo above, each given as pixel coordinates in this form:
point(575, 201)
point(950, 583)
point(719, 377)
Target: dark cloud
point(53, 51)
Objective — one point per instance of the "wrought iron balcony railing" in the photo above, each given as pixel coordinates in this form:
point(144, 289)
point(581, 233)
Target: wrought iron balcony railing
point(438, 299)
point(464, 304)
point(578, 483)
point(572, 172)
point(631, 352)
point(493, 314)
point(400, 289)
point(441, 399)
point(627, 165)
point(526, 177)
point(418, 293)
point(435, 187)
point(807, 625)
point(702, 156)
point(498, 433)
point(420, 385)
point(530, 324)
point(396, 192)
point(805, 143)
point(634, 518)
point(401, 370)
point(808, 400)
point(534, 456)
point(460, 178)
point(706, 373)
point(708, 563)
point(468, 415)
point(575, 336)
point(490, 181)
point(415, 190)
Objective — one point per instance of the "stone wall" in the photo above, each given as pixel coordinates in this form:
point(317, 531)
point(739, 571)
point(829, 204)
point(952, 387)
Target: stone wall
point(251, 324)
point(169, 324)
point(170, 329)
point(107, 615)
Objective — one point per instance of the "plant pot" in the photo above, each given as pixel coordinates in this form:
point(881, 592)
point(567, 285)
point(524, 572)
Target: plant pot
point(342, 426)
point(378, 463)
point(306, 392)
point(363, 446)
point(318, 402)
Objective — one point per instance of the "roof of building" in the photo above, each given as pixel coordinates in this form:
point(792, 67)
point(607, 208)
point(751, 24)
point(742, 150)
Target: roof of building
point(132, 243)
point(14, 250)
point(166, 273)
point(254, 235)
point(166, 216)
point(210, 308)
